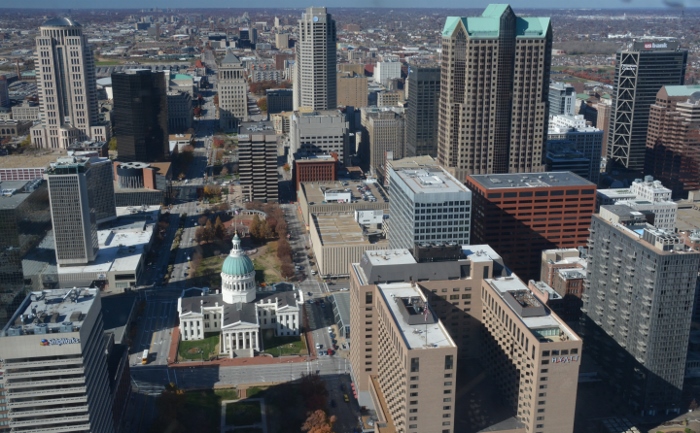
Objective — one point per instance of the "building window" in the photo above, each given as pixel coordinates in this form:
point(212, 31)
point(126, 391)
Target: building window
point(448, 362)
point(414, 365)
point(368, 298)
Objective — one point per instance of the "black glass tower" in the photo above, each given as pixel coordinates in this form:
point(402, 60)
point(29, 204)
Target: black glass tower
point(141, 115)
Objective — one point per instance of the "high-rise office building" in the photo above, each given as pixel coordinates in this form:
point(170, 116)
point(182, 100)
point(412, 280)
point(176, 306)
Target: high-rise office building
point(279, 100)
point(562, 99)
point(386, 71)
point(282, 41)
point(233, 92)
point(257, 163)
point(521, 215)
point(320, 133)
point(65, 71)
point(586, 140)
point(315, 65)
point(4, 92)
point(428, 205)
point(24, 220)
point(494, 92)
point(673, 139)
point(384, 131)
point(638, 301)
point(422, 113)
point(55, 374)
point(641, 70)
point(81, 193)
point(141, 115)
point(404, 358)
point(603, 122)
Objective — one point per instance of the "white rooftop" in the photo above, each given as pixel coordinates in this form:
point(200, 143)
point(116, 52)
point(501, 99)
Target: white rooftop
point(511, 284)
point(417, 336)
point(480, 253)
point(399, 256)
point(428, 180)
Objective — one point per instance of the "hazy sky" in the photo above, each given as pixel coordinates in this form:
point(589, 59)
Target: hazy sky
point(517, 4)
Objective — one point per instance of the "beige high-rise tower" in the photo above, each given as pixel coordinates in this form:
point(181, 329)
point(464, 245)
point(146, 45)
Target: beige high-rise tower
point(65, 75)
point(494, 92)
point(233, 97)
point(315, 65)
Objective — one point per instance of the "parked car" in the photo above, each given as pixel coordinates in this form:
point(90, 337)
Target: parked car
point(346, 398)
point(330, 329)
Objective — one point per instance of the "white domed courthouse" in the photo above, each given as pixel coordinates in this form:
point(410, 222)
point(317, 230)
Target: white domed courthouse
point(241, 311)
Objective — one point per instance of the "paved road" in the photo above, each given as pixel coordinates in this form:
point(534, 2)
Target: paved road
point(194, 375)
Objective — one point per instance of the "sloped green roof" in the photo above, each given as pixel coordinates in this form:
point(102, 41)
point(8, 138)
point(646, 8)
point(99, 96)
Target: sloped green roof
point(182, 77)
point(532, 27)
point(682, 90)
point(488, 25)
point(585, 96)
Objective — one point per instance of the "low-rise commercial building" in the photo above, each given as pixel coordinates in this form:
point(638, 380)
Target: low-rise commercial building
point(340, 197)
point(317, 168)
point(339, 239)
point(14, 128)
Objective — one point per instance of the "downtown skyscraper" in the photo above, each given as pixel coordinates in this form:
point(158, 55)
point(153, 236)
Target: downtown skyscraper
point(422, 112)
point(494, 92)
point(65, 72)
point(641, 70)
point(315, 85)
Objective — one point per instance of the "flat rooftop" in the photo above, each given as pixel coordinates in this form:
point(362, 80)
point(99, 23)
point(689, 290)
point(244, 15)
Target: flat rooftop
point(29, 160)
point(430, 180)
point(51, 312)
point(359, 190)
point(13, 193)
point(390, 257)
point(531, 180)
point(340, 229)
point(423, 335)
point(480, 253)
point(616, 193)
point(539, 319)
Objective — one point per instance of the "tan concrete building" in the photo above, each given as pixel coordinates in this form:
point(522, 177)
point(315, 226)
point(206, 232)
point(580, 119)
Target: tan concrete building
point(352, 90)
point(65, 72)
point(384, 131)
point(339, 239)
point(232, 89)
point(340, 197)
point(494, 92)
point(529, 351)
point(389, 99)
point(352, 68)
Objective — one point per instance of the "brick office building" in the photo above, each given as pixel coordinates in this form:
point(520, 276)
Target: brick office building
point(320, 168)
point(520, 215)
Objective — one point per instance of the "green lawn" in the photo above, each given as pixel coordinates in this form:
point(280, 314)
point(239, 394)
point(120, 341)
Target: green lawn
point(210, 265)
point(203, 408)
point(280, 346)
point(254, 391)
point(190, 350)
point(243, 413)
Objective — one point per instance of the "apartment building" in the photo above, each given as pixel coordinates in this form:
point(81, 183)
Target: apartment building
point(520, 215)
point(55, 375)
point(638, 301)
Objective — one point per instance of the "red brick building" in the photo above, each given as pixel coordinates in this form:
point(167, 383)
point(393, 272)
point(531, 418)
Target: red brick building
point(316, 169)
point(521, 215)
point(673, 139)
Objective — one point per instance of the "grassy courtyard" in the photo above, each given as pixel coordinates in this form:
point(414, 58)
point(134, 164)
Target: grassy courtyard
point(243, 413)
point(281, 346)
point(267, 265)
point(199, 349)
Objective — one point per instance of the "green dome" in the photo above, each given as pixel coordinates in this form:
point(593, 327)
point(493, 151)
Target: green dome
point(237, 263)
